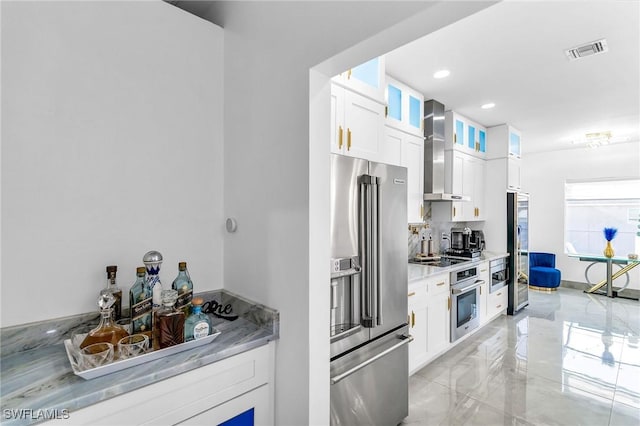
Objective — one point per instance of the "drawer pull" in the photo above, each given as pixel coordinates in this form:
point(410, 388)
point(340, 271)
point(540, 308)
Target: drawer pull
point(439, 284)
point(413, 293)
point(499, 306)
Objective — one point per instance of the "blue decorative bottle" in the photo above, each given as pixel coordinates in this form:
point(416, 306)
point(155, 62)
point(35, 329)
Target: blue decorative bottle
point(198, 325)
point(152, 261)
point(184, 286)
point(141, 304)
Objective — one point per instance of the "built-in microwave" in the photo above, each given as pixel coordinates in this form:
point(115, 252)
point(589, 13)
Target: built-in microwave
point(499, 271)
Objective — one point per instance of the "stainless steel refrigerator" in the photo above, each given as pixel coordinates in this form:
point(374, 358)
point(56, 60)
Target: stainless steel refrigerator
point(518, 247)
point(369, 331)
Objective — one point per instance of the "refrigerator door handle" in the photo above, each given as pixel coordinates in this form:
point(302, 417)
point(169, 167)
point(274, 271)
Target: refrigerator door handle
point(365, 250)
point(369, 247)
point(375, 253)
point(403, 341)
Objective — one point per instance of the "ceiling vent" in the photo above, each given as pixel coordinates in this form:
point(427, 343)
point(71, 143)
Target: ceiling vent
point(589, 49)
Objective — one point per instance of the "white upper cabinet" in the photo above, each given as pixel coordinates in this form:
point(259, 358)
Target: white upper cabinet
point(405, 107)
point(366, 79)
point(404, 149)
point(465, 135)
point(412, 157)
point(357, 125)
point(464, 174)
point(505, 142)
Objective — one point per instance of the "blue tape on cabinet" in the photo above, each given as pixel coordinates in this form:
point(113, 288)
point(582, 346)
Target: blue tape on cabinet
point(242, 419)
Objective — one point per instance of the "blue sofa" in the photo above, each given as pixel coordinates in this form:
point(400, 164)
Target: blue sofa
point(543, 274)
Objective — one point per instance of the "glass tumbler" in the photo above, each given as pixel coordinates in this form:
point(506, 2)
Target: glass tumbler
point(96, 355)
point(133, 345)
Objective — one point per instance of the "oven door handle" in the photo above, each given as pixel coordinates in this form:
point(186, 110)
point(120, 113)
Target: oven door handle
point(404, 339)
point(476, 284)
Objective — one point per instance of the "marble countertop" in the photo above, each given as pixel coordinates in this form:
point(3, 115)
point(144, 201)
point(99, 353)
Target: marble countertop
point(39, 377)
point(418, 272)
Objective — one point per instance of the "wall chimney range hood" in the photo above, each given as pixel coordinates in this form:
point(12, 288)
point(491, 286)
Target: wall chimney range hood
point(434, 154)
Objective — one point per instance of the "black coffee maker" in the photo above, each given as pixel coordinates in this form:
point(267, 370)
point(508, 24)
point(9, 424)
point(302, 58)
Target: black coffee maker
point(460, 238)
point(466, 243)
point(477, 240)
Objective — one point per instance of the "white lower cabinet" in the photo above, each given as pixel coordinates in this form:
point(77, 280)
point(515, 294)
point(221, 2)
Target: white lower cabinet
point(497, 302)
point(429, 312)
point(212, 394)
point(417, 306)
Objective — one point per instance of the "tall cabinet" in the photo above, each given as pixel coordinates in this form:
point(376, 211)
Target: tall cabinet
point(504, 160)
point(403, 130)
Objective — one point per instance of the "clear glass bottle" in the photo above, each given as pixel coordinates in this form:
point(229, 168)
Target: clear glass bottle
point(141, 304)
point(107, 331)
point(198, 324)
point(152, 261)
point(112, 287)
point(168, 322)
point(184, 286)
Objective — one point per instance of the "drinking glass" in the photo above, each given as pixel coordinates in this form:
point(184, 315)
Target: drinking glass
point(96, 355)
point(133, 345)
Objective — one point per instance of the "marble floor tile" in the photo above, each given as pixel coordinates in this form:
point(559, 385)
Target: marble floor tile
point(567, 359)
point(624, 415)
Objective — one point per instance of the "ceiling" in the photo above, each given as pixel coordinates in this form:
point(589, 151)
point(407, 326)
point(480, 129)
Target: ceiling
point(513, 54)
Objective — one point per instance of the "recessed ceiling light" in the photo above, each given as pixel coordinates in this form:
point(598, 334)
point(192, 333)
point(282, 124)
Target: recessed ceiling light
point(441, 74)
point(488, 106)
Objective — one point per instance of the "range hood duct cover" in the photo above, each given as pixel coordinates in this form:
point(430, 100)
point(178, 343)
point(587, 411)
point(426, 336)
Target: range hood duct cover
point(434, 154)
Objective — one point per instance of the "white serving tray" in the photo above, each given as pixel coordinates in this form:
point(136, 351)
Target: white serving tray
point(130, 362)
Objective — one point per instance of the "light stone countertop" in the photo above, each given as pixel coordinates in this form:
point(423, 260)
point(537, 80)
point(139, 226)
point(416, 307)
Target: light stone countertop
point(36, 374)
point(418, 272)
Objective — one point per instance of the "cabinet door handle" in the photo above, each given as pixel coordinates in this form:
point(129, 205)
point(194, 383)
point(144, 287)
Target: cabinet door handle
point(498, 307)
point(340, 131)
point(386, 111)
point(413, 319)
point(421, 210)
point(439, 284)
point(349, 74)
point(348, 139)
point(455, 138)
point(480, 291)
point(413, 293)
point(478, 211)
point(499, 294)
point(449, 303)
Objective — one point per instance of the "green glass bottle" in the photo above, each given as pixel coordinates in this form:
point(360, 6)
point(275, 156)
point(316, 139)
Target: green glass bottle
point(183, 285)
point(198, 325)
point(141, 304)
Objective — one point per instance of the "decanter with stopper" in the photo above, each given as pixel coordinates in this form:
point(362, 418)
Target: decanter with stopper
point(168, 322)
point(107, 330)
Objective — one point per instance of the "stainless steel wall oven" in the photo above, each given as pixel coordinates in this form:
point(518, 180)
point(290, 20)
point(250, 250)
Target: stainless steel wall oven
point(465, 302)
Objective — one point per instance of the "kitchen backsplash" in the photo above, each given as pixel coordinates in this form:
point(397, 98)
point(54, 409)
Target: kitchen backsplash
point(416, 232)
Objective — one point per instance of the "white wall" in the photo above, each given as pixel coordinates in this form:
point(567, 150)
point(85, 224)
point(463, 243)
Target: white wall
point(277, 168)
point(544, 175)
point(111, 146)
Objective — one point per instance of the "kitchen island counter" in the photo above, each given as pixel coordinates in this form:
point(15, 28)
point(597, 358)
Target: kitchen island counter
point(417, 272)
point(38, 377)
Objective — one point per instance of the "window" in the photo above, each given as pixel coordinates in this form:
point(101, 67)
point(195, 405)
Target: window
point(591, 206)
